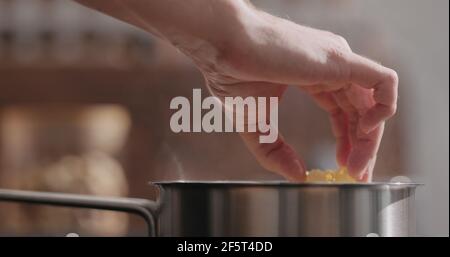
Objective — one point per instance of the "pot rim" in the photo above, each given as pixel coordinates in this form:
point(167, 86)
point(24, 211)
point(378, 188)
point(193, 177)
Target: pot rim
point(242, 183)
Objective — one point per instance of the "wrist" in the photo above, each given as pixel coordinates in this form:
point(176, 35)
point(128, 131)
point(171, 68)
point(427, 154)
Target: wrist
point(225, 29)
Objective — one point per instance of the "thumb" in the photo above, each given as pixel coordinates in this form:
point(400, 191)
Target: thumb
point(278, 156)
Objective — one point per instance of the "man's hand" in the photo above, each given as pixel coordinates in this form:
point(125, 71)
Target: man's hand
point(245, 52)
point(358, 94)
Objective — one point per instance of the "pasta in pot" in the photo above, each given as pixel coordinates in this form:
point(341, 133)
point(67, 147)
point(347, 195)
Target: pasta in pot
point(317, 175)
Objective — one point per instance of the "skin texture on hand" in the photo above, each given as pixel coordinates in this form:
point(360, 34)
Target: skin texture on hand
point(242, 51)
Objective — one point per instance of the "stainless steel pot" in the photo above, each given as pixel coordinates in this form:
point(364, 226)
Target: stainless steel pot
point(258, 208)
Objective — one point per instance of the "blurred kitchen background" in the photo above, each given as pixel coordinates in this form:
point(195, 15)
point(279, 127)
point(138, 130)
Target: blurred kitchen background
point(84, 108)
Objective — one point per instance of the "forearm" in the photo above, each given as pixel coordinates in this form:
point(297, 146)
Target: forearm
point(184, 23)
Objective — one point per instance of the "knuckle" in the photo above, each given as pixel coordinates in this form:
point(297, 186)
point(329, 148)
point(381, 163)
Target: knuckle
point(338, 58)
point(342, 40)
point(335, 53)
point(392, 77)
point(392, 110)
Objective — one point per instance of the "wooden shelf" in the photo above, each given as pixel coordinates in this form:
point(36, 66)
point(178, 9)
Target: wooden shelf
point(91, 84)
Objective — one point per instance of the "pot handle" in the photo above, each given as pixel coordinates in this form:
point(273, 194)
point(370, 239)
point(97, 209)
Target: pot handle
point(147, 209)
